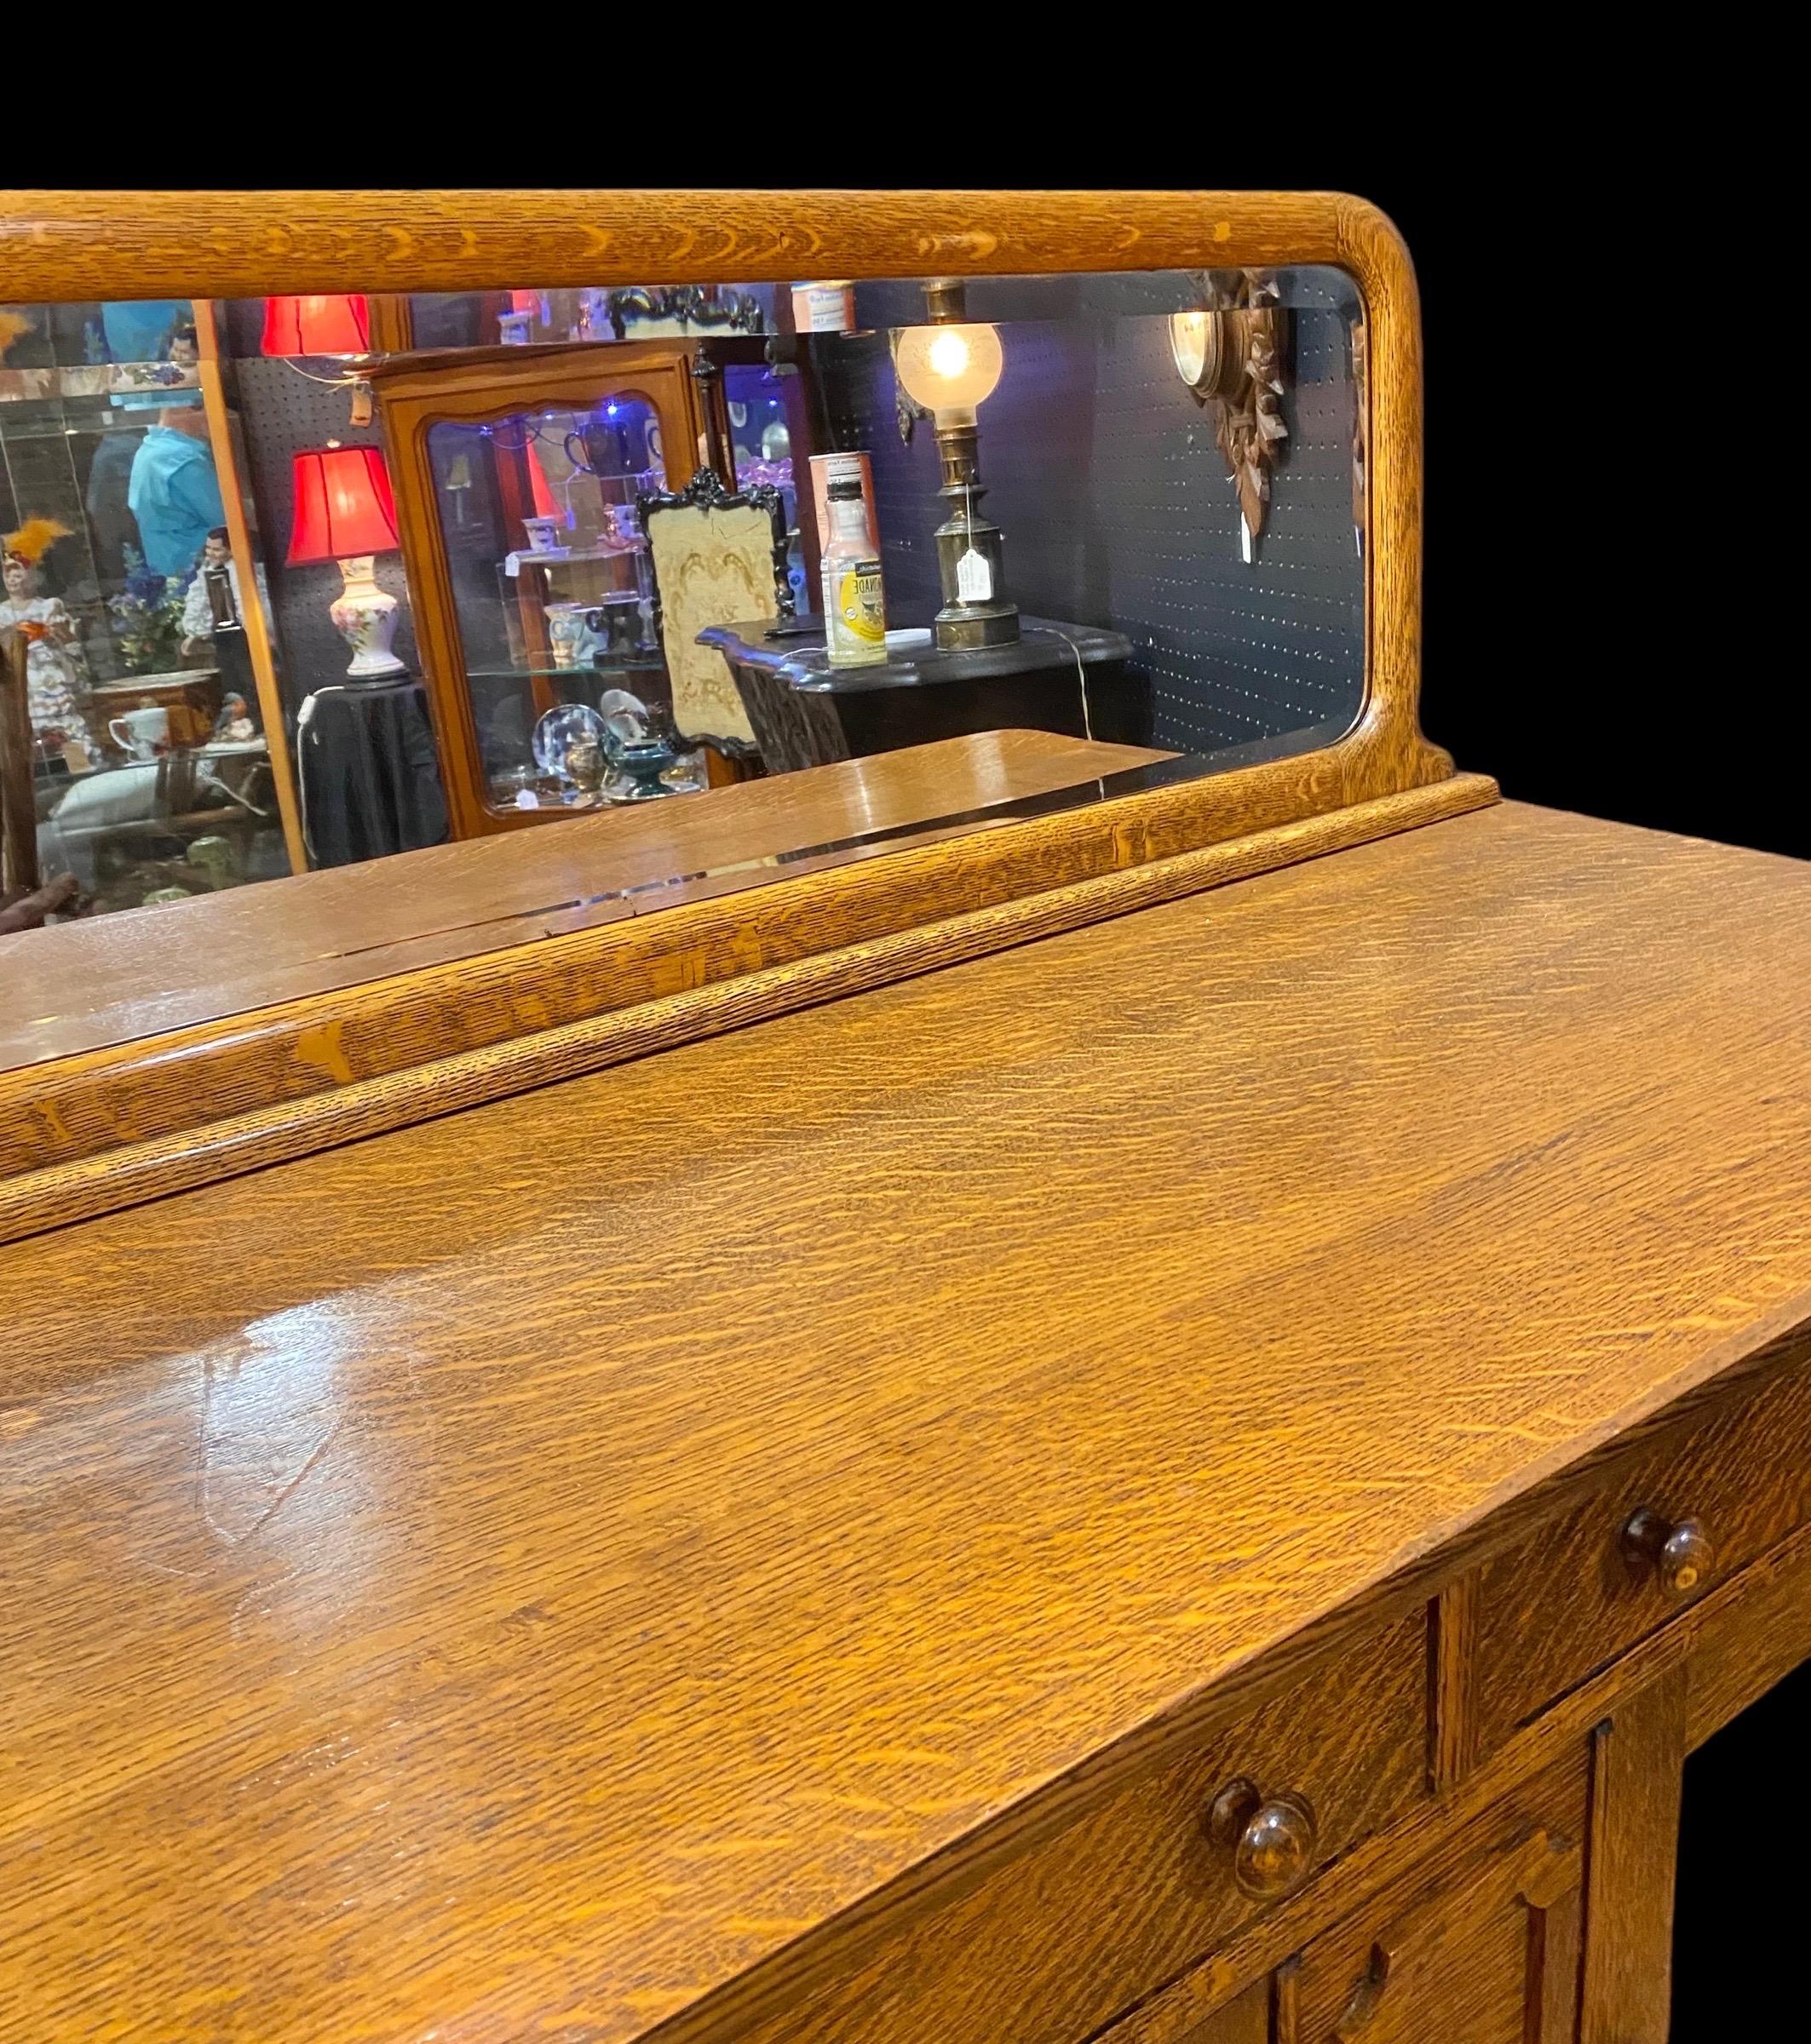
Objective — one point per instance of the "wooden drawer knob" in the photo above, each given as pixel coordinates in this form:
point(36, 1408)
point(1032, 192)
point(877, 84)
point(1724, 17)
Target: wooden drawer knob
point(1272, 1838)
point(1678, 1553)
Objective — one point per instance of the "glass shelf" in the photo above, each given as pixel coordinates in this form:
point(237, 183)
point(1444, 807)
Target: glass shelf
point(582, 670)
point(567, 556)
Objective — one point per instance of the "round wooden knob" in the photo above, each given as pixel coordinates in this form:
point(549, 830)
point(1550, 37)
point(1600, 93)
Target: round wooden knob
point(1272, 1838)
point(1679, 1553)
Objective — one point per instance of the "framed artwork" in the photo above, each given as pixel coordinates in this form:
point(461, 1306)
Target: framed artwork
point(719, 557)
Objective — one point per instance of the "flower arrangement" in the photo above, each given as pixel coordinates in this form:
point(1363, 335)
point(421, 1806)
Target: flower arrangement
point(147, 619)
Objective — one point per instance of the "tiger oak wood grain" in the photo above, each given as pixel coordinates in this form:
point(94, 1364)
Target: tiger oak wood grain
point(80, 245)
point(1731, 1647)
point(1744, 1645)
point(89, 985)
point(1460, 1951)
point(1637, 1758)
point(1245, 2021)
point(1563, 1602)
point(423, 1614)
point(167, 1112)
point(1136, 1884)
point(1452, 1700)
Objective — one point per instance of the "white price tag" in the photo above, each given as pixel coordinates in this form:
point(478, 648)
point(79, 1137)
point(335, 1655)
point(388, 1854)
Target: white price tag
point(973, 579)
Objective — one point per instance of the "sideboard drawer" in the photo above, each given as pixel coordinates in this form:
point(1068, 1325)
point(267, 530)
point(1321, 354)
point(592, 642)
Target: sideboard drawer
point(1476, 1944)
point(1106, 1909)
point(1669, 1521)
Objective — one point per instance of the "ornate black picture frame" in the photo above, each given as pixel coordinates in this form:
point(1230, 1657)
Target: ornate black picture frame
point(703, 309)
point(706, 492)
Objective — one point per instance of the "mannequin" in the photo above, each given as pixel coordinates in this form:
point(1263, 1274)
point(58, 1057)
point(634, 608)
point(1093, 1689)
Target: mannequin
point(174, 493)
point(56, 669)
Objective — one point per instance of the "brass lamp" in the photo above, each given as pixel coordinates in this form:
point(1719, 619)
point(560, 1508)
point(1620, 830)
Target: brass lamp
point(951, 367)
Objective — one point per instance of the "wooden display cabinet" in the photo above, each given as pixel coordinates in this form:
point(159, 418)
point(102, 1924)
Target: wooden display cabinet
point(482, 440)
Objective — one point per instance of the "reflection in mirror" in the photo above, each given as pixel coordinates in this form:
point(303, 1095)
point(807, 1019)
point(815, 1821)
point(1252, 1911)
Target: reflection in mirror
point(304, 582)
point(548, 569)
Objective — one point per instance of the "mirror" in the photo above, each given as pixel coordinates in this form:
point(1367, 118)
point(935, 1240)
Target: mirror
point(305, 582)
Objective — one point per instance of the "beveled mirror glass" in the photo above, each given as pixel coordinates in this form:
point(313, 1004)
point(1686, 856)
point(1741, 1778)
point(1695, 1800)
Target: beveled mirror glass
point(1171, 547)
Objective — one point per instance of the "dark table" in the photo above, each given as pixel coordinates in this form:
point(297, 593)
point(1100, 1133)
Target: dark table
point(1066, 678)
point(369, 777)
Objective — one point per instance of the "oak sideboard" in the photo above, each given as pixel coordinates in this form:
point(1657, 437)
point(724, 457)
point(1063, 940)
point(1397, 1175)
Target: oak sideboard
point(1193, 1480)
point(1029, 1390)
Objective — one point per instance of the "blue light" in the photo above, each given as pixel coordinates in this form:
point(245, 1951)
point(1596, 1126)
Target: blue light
point(610, 409)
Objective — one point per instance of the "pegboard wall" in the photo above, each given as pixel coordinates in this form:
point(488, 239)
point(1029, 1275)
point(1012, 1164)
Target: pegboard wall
point(1116, 504)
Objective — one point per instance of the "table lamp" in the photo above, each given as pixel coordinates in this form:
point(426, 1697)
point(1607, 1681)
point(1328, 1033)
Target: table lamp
point(344, 512)
point(950, 368)
point(317, 326)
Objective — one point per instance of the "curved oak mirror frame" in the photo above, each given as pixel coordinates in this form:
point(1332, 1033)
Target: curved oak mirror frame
point(133, 1119)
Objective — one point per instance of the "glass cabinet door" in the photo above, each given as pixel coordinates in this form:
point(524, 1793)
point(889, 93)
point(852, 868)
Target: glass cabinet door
point(152, 776)
point(533, 589)
point(548, 571)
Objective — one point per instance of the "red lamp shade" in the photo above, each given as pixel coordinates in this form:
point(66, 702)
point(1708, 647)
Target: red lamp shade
point(344, 505)
point(317, 326)
point(544, 506)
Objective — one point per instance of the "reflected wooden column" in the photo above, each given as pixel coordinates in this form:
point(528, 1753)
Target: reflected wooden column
point(392, 324)
point(19, 870)
point(226, 467)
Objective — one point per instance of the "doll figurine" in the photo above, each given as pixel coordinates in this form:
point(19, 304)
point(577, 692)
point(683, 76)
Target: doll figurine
point(56, 670)
point(234, 723)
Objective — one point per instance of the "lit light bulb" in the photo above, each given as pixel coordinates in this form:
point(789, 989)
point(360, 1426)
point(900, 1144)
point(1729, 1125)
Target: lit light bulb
point(949, 368)
point(949, 355)
point(1188, 345)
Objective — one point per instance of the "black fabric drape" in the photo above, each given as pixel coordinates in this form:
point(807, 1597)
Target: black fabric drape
point(371, 782)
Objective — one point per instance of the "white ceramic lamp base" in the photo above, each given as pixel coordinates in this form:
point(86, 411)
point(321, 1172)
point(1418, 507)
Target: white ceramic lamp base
point(364, 617)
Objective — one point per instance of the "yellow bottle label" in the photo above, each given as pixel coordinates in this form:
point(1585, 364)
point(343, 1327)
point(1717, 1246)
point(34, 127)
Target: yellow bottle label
point(859, 604)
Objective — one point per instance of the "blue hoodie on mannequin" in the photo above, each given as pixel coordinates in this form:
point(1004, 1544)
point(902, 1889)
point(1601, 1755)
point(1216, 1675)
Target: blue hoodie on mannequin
point(175, 495)
point(139, 330)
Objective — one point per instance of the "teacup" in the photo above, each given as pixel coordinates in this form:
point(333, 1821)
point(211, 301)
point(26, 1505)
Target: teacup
point(144, 732)
point(544, 535)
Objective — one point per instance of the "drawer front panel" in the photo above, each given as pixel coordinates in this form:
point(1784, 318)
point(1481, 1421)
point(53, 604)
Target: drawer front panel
point(1481, 1945)
point(1086, 1921)
point(1576, 1594)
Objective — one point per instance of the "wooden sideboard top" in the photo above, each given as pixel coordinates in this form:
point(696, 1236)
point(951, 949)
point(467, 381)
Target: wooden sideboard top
point(80, 986)
point(506, 1578)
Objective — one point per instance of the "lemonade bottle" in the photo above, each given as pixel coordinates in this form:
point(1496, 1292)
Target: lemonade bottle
point(854, 612)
